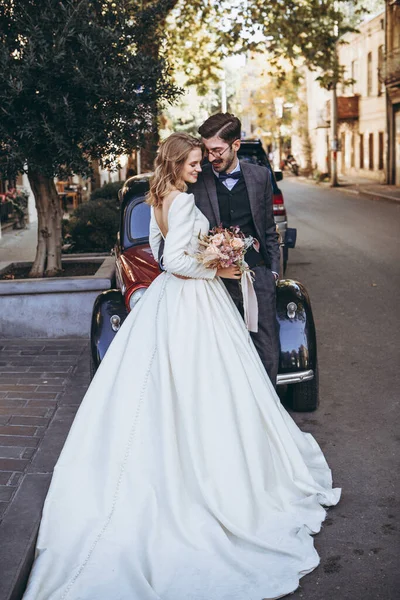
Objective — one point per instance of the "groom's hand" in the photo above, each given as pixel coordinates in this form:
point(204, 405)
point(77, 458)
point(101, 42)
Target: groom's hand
point(229, 272)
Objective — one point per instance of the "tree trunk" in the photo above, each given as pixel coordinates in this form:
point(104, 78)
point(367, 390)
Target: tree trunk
point(334, 137)
point(95, 178)
point(48, 252)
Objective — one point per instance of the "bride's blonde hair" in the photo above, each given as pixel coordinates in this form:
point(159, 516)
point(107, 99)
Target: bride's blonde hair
point(172, 155)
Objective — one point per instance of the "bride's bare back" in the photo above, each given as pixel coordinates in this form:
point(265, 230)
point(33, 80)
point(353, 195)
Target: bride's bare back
point(161, 212)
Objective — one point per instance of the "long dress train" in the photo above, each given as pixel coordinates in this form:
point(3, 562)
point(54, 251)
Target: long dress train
point(182, 477)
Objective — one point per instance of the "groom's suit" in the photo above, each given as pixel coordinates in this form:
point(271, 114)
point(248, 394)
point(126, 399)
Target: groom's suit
point(252, 203)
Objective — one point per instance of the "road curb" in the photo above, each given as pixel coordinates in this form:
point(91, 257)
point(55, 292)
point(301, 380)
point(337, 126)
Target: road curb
point(372, 195)
point(351, 191)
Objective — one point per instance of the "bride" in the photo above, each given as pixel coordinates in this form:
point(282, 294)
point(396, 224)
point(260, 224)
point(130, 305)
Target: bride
point(182, 477)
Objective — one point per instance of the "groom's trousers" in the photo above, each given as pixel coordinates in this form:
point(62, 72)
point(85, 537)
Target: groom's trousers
point(266, 340)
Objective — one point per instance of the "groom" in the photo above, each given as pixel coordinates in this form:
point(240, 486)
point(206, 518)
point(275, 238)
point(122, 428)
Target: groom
point(230, 193)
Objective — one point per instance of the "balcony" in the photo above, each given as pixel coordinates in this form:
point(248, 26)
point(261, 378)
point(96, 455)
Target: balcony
point(347, 108)
point(389, 72)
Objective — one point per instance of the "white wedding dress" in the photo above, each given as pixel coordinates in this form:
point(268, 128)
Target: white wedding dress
point(183, 477)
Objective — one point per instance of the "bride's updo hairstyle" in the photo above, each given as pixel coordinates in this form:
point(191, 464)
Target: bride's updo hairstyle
point(172, 155)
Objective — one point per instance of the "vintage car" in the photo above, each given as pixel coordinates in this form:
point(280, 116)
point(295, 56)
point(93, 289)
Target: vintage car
point(136, 269)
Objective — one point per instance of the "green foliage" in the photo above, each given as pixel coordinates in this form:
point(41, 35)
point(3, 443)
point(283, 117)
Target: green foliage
point(93, 226)
point(192, 43)
point(201, 34)
point(108, 191)
point(265, 90)
point(79, 82)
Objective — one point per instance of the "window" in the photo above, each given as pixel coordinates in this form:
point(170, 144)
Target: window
point(381, 87)
point(137, 222)
point(353, 151)
point(354, 76)
point(380, 158)
point(369, 74)
point(361, 150)
point(371, 151)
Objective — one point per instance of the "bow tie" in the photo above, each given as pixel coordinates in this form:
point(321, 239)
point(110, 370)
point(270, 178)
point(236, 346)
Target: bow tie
point(235, 175)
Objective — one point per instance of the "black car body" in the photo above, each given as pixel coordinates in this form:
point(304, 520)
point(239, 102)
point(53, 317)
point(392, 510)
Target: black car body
point(136, 269)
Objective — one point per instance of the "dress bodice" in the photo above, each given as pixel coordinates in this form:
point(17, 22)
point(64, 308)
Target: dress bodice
point(185, 223)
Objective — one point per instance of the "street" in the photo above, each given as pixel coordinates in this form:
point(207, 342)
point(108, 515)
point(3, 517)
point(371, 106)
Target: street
point(348, 257)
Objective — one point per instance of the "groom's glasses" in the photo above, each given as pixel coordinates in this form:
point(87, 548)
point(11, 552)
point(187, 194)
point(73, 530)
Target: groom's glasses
point(218, 153)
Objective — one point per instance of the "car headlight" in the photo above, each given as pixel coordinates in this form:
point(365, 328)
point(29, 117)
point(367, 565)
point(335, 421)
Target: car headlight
point(291, 310)
point(135, 297)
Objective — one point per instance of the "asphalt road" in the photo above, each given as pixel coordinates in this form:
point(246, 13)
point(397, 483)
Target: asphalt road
point(348, 257)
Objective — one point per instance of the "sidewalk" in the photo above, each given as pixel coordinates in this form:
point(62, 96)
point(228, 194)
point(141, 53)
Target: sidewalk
point(18, 244)
point(42, 383)
point(361, 186)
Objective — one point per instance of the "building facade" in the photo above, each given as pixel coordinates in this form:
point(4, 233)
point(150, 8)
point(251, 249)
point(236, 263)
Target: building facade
point(362, 104)
point(362, 126)
point(390, 77)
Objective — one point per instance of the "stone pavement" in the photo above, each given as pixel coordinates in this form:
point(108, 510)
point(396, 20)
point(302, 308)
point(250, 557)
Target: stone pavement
point(42, 383)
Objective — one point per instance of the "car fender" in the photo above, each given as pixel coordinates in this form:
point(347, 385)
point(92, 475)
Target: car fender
point(107, 305)
point(298, 345)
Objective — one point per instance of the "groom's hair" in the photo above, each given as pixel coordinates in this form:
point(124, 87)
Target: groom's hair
point(223, 125)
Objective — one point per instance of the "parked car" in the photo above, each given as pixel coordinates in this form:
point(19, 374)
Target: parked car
point(251, 150)
point(136, 269)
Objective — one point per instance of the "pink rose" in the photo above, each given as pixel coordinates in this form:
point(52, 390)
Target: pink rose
point(217, 239)
point(237, 244)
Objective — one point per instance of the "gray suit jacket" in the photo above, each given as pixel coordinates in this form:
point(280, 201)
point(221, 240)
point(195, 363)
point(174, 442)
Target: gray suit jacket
point(258, 183)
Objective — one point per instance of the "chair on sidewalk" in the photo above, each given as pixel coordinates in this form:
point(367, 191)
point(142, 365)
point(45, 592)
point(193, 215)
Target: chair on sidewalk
point(67, 190)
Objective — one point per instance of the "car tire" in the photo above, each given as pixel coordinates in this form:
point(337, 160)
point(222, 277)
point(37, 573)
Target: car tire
point(304, 397)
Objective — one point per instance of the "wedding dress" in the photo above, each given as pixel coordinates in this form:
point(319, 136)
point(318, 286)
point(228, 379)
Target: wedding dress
point(183, 477)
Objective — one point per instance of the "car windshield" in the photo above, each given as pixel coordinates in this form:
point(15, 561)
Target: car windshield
point(253, 156)
point(138, 222)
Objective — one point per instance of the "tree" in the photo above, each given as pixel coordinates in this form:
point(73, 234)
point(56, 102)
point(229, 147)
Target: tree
point(306, 32)
point(193, 42)
point(203, 33)
point(79, 83)
point(260, 90)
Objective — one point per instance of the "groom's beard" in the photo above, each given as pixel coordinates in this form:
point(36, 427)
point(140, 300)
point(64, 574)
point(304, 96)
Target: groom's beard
point(224, 164)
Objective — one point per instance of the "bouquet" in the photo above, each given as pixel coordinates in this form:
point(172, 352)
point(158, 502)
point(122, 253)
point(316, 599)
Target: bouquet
point(222, 248)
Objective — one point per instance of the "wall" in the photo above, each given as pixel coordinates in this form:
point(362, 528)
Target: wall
point(360, 57)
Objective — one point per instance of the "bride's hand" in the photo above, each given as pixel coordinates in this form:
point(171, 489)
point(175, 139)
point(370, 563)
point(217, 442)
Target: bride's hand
point(232, 272)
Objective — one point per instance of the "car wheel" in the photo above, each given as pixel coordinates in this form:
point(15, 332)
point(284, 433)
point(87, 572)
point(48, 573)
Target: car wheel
point(305, 396)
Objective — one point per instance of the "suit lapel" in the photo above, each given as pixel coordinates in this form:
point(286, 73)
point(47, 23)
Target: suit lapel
point(209, 182)
point(255, 195)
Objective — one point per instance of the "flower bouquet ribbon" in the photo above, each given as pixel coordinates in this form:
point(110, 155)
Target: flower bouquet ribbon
point(222, 248)
point(250, 304)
